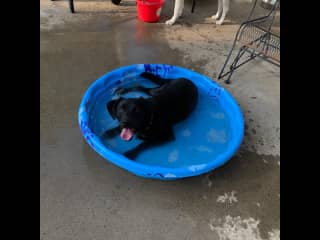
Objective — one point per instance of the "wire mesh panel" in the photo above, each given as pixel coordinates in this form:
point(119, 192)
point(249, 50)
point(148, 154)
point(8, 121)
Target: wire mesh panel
point(254, 38)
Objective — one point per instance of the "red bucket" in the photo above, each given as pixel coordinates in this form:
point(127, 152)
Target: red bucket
point(149, 10)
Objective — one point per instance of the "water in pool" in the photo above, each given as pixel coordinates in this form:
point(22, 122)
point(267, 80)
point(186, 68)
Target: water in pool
point(198, 139)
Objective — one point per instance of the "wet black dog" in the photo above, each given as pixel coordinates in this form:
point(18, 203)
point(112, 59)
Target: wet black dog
point(151, 119)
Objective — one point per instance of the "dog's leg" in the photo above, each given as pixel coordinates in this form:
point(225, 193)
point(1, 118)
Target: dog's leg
point(219, 11)
point(133, 153)
point(224, 12)
point(177, 9)
point(110, 133)
point(181, 9)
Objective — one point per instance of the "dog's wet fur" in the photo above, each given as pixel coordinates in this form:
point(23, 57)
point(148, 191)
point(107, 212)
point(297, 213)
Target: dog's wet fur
point(152, 119)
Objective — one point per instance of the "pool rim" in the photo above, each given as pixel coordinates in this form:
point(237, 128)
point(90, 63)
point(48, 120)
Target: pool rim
point(152, 171)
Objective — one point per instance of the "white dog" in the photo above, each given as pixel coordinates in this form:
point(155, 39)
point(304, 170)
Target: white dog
point(223, 8)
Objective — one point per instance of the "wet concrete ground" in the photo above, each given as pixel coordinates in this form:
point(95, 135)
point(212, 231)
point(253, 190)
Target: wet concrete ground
point(82, 196)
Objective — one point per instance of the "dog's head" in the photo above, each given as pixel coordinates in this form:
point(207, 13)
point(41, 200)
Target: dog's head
point(133, 115)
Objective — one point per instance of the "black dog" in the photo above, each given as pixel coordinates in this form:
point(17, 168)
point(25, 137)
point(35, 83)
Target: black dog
point(151, 119)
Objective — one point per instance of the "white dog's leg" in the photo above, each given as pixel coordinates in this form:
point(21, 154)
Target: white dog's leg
point(219, 11)
point(178, 7)
point(225, 10)
point(181, 9)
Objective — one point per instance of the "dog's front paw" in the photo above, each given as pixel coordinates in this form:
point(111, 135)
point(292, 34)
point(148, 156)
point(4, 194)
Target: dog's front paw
point(131, 154)
point(111, 133)
point(170, 22)
point(219, 22)
point(215, 17)
point(108, 134)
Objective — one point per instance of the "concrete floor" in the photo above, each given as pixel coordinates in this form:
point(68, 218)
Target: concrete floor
point(83, 197)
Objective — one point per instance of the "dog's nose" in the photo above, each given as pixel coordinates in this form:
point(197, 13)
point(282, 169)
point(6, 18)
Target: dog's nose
point(123, 124)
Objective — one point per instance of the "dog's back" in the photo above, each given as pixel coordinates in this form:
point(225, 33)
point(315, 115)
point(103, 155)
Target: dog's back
point(176, 99)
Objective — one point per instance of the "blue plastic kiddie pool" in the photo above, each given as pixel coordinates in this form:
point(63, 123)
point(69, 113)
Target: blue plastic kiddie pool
point(206, 140)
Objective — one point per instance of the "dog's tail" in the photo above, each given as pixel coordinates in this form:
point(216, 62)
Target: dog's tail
point(153, 78)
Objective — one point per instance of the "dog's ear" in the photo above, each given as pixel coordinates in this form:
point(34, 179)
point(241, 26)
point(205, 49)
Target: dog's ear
point(112, 106)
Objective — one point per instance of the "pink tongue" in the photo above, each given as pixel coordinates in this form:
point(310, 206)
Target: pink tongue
point(126, 134)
